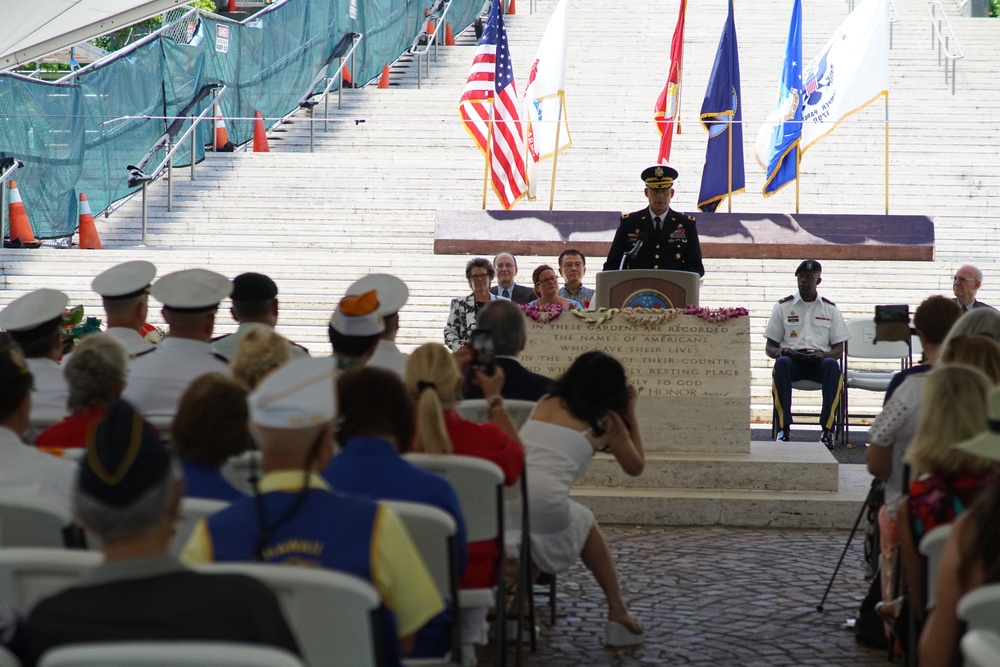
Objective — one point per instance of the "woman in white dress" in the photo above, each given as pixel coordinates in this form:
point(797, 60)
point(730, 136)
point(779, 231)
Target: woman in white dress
point(591, 408)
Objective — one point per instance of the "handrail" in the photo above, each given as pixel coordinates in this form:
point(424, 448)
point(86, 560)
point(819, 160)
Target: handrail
point(309, 101)
point(15, 164)
point(426, 39)
point(943, 41)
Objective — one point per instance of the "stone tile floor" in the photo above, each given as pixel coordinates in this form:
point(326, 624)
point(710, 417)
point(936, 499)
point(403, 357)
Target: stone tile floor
point(714, 596)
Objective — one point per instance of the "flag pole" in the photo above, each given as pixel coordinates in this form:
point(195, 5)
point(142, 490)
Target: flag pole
point(555, 156)
point(489, 152)
point(887, 152)
point(729, 132)
point(798, 161)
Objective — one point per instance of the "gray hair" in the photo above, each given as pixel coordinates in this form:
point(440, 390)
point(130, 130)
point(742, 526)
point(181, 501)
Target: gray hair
point(984, 321)
point(975, 271)
point(95, 372)
point(116, 524)
point(506, 321)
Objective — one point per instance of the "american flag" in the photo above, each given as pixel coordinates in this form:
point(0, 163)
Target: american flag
point(490, 95)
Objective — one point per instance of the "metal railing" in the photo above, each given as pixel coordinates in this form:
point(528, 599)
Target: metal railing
point(309, 101)
point(9, 165)
point(425, 40)
point(943, 41)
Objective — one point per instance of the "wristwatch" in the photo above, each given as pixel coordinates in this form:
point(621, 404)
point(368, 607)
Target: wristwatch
point(495, 402)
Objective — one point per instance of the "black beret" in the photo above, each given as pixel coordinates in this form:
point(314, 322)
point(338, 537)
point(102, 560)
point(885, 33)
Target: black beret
point(125, 458)
point(253, 287)
point(809, 266)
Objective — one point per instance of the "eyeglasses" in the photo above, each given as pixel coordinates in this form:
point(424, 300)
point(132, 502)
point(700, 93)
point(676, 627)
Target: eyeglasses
point(552, 279)
point(572, 265)
point(479, 276)
point(963, 280)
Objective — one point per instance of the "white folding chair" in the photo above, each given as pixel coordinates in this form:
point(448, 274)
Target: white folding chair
point(980, 608)
point(433, 532)
point(8, 659)
point(28, 574)
point(192, 510)
point(169, 654)
point(162, 423)
point(32, 522)
point(931, 546)
point(243, 470)
point(334, 616)
point(478, 410)
point(980, 648)
point(862, 345)
point(839, 420)
point(472, 478)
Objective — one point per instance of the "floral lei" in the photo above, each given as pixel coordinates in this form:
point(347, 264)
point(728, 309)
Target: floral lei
point(651, 318)
point(544, 313)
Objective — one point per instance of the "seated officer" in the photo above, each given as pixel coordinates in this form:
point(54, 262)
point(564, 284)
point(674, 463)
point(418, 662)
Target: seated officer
point(355, 329)
point(392, 294)
point(124, 290)
point(298, 520)
point(255, 302)
point(805, 336)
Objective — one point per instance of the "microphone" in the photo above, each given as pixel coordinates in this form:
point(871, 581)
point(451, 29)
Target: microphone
point(636, 247)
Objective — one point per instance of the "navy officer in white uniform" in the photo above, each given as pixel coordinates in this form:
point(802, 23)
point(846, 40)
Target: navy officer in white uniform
point(124, 289)
point(392, 295)
point(159, 377)
point(805, 336)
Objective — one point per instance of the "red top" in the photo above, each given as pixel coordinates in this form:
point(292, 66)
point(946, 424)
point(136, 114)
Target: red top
point(71, 431)
point(484, 441)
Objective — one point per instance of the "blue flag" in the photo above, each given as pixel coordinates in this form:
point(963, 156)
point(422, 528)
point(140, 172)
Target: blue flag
point(778, 140)
point(722, 118)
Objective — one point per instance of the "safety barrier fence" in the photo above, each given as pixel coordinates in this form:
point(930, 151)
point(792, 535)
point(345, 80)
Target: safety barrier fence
point(81, 132)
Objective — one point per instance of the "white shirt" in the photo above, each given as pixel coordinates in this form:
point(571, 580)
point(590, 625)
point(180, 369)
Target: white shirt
point(158, 378)
point(226, 345)
point(800, 324)
point(895, 427)
point(25, 470)
point(50, 391)
point(130, 339)
point(388, 356)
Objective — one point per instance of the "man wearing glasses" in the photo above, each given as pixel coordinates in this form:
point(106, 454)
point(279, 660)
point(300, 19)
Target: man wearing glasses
point(572, 266)
point(965, 283)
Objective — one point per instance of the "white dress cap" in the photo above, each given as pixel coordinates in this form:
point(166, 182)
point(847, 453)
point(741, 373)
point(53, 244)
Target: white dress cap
point(192, 289)
point(124, 281)
point(358, 315)
point(298, 395)
point(392, 292)
point(32, 310)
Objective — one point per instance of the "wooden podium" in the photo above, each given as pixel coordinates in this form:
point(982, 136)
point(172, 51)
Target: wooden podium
point(646, 288)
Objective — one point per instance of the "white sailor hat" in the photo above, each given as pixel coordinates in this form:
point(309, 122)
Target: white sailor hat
point(358, 315)
point(391, 291)
point(297, 395)
point(125, 281)
point(34, 315)
point(192, 290)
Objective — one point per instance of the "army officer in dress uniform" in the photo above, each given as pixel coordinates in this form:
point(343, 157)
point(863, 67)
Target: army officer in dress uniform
point(669, 239)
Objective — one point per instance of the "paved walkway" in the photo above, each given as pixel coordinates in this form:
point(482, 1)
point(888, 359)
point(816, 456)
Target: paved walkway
point(715, 596)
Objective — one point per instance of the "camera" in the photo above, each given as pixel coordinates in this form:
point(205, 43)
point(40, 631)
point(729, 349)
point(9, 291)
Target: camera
point(482, 343)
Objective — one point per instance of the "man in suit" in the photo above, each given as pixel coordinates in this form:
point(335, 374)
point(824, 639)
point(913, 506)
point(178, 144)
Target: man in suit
point(506, 321)
point(669, 239)
point(506, 269)
point(965, 283)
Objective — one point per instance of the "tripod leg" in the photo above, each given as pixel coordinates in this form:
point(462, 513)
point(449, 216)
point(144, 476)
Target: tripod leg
point(857, 522)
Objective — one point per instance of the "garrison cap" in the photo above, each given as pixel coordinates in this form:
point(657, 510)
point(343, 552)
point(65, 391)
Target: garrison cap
point(298, 395)
point(125, 457)
point(124, 281)
point(192, 290)
point(358, 315)
point(809, 266)
point(253, 287)
point(34, 314)
point(391, 292)
point(659, 177)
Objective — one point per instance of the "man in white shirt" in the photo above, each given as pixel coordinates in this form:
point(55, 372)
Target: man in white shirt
point(124, 290)
point(392, 296)
point(805, 336)
point(158, 378)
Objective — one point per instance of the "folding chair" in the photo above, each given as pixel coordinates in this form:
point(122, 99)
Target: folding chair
point(981, 648)
point(483, 512)
point(168, 654)
point(839, 432)
point(433, 532)
point(29, 574)
point(8, 659)
point(334, 616)
point(980, 608)
point(862, 345)
point(931, 546)
point(243, 471)
point(192, 510)
point(32, 522)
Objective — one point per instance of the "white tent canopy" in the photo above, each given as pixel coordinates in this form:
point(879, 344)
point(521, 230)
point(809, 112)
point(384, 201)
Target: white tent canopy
point(36, 28)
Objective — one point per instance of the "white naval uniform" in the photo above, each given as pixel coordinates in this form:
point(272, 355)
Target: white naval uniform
point(50, 391)
point(25, 470)
point(388, 356)
point(158, 378)
point(802, 324)
point(130, 339)
point(226, 345)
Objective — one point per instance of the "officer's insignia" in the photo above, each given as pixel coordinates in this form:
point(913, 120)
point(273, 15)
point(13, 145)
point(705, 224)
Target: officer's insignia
point(793, 318)
point(794, 334)
point(679, 234)
point(659, 172)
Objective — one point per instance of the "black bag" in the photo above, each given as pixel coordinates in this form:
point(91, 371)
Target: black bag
point(869, 630)
point(892, 323)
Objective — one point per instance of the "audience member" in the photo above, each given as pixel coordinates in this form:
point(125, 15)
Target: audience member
point(260, 351)
point(805, 337)
point(392, 296)
point(462, 316)
point(933, 319)
point(297, 520)
point(158, 377)
point(505, 265)
point(34, 321)
point(25, 470)
point(978, 350)
point(965, 284)
point(209, 428)
point(376, 426)
point(507, 322)
point(255, 302)
point(980, 321)
point(560, 440)
point(547, 289)
point(355, 330)
point(95, 373)
point(128, 494)
point(124, 291)
point(572, 267)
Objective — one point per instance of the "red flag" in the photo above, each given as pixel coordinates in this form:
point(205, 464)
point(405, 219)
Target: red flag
point(489, 99)
point(667, 107)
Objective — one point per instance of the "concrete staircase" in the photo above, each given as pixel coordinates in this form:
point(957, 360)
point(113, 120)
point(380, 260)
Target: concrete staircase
point(365, 201)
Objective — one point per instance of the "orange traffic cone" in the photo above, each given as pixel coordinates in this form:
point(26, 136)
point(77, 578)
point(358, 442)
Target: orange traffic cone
point(345, 76)
point(383, 82)
point(20, 228)
point(430, 27)
point(512, 7)
point(260, 136)
point(449, 37)
point(222, 142)
point(89, 240)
